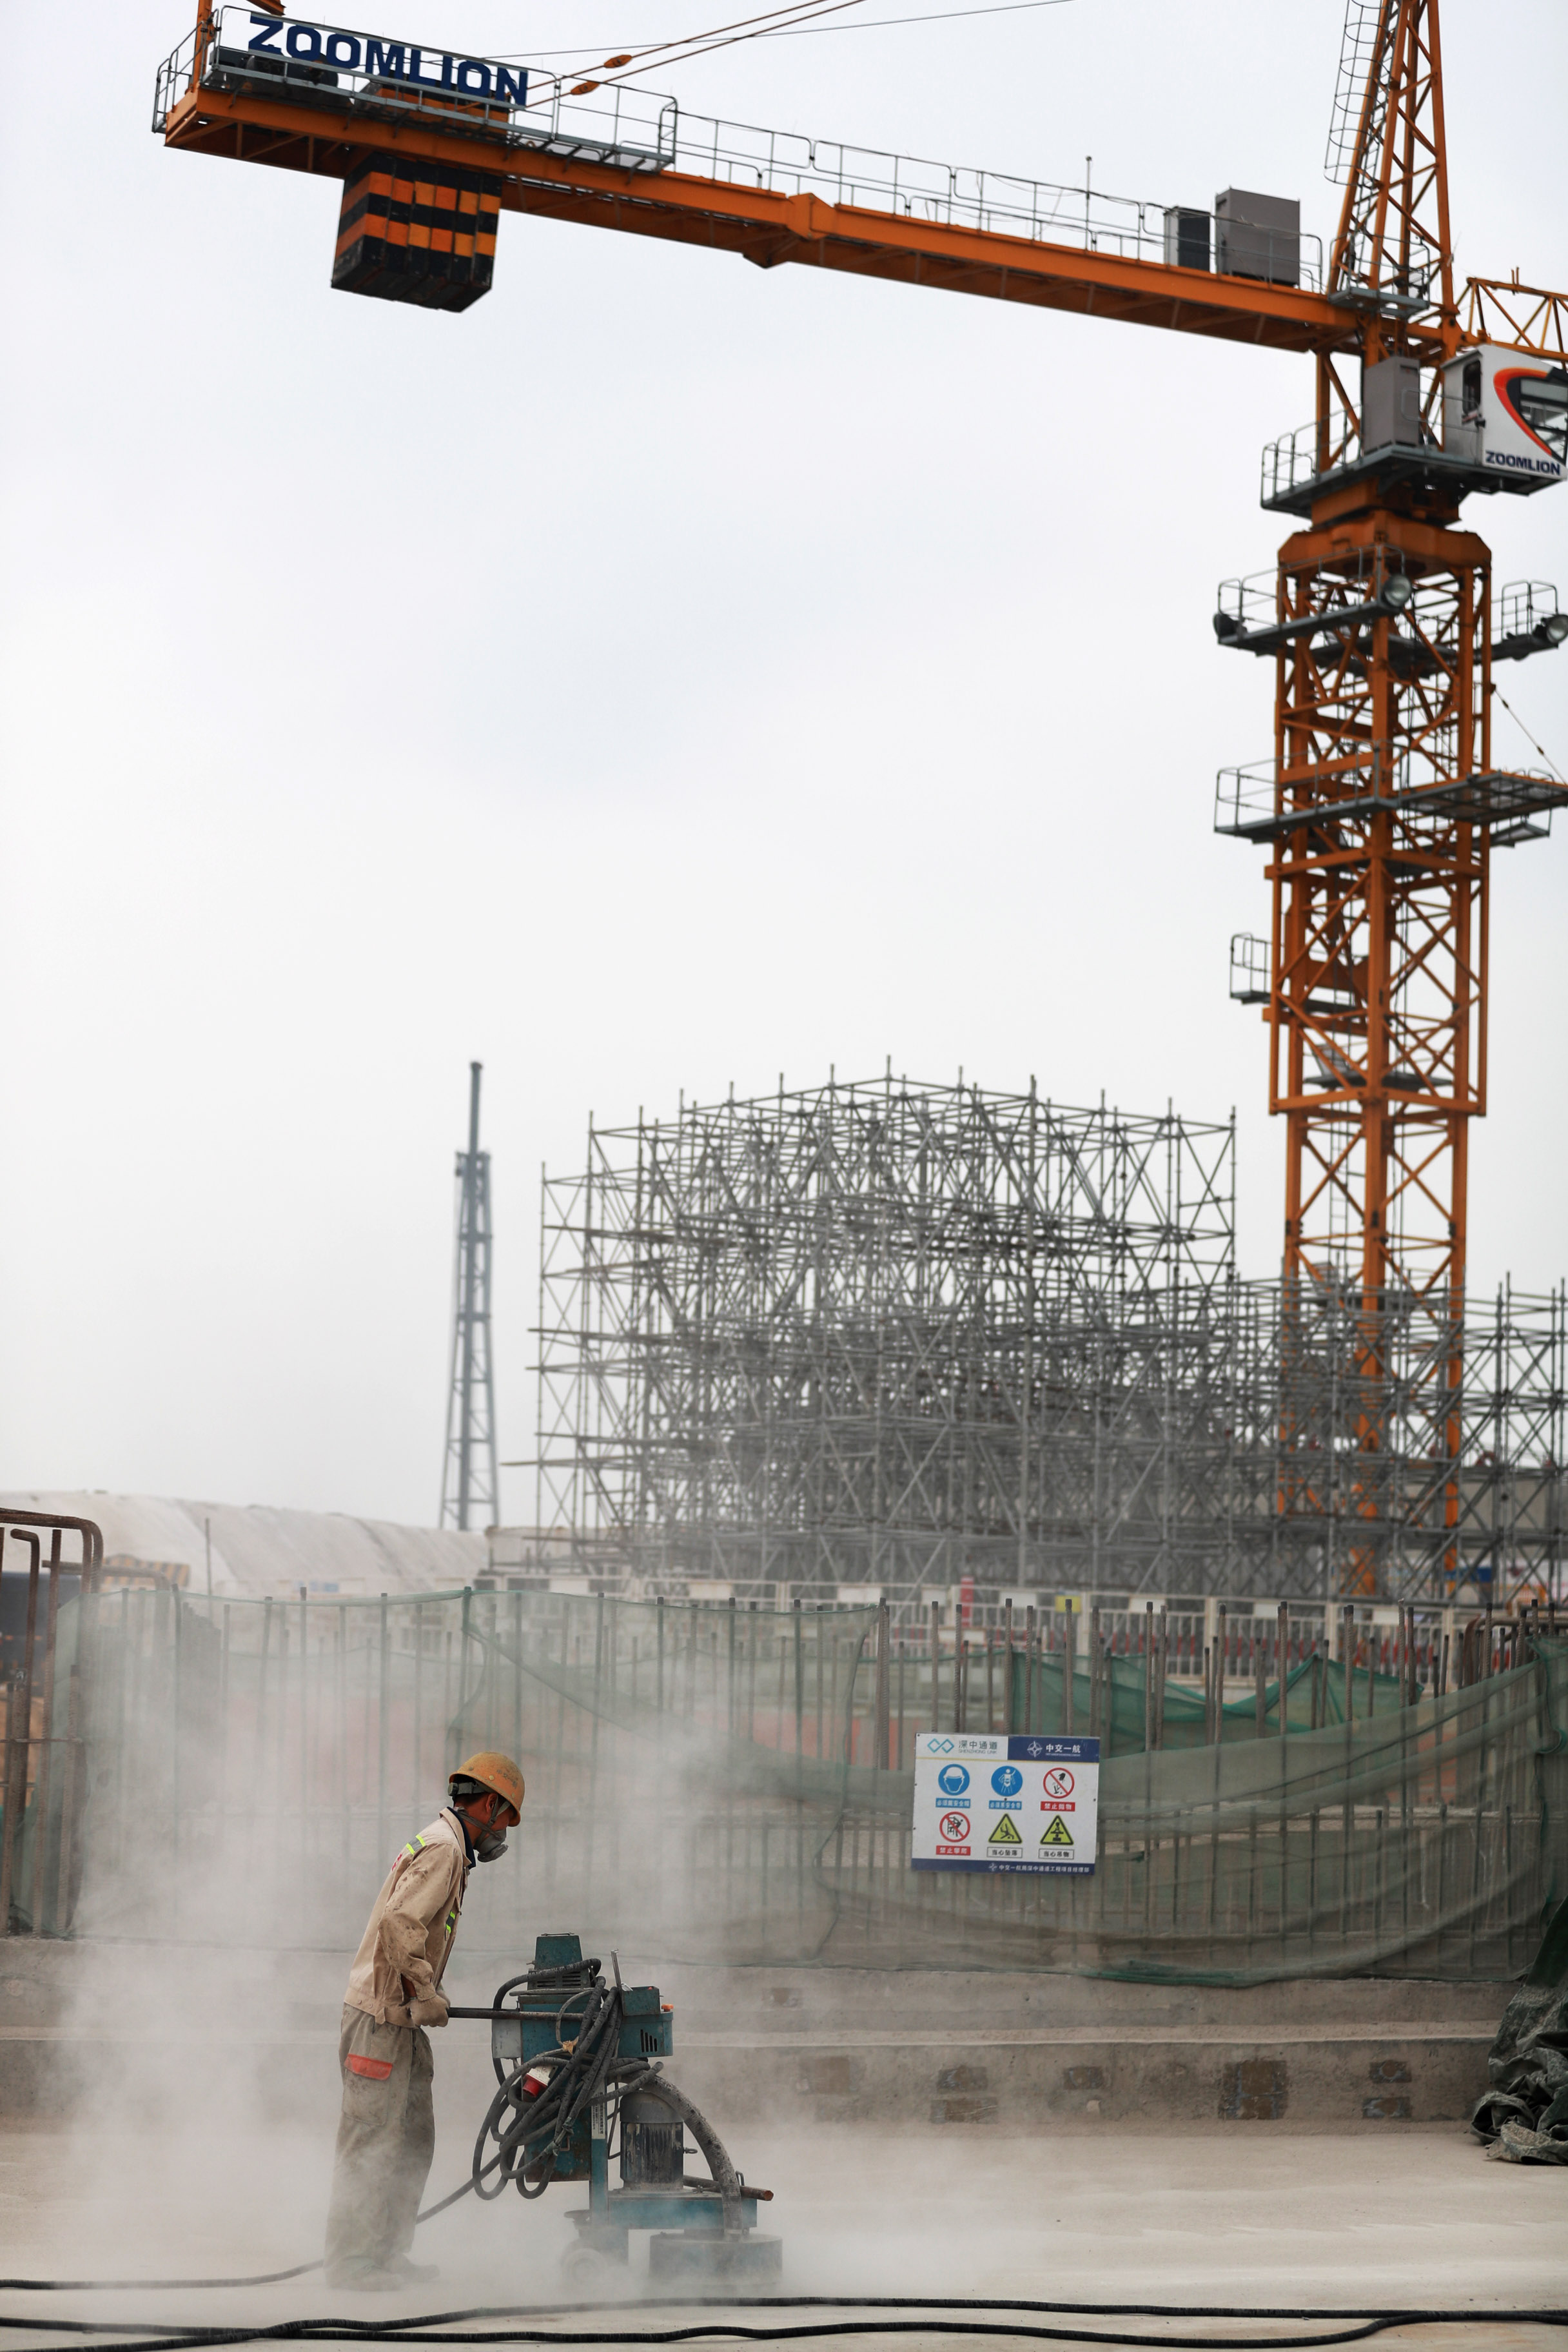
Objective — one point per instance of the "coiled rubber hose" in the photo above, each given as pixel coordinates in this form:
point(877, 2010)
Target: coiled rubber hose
point(530, 2133)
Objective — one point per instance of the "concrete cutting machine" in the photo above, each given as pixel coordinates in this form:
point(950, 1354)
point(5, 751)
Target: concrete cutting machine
point(578, 2063)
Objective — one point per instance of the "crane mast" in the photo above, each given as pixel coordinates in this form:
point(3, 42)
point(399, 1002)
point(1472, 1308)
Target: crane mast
point(1387, 810)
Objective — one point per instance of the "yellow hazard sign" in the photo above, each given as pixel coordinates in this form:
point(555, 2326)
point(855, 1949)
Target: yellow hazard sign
point(1005, 1833)
point(1058, 1834)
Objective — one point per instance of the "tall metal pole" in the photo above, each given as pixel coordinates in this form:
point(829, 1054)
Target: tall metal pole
point(471, 1482)
point(466, 1270)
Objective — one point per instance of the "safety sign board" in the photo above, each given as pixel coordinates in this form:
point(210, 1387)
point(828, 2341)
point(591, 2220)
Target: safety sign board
point(998, 1800)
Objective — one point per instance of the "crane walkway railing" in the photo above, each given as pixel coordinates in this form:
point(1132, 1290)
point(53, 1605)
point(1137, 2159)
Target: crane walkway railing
point(624, 127)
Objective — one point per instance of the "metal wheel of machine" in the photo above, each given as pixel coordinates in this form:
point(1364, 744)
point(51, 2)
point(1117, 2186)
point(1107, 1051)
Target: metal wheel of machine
point(592, 2270)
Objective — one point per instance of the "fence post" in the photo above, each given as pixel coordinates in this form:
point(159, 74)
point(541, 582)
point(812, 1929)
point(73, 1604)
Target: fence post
point(16, 1779)
point(883, 1694)
point(1162, 1668)
point(174, 1890)
point(46, 1749)
point(1148, 1677)
point(935, 1659)
point(1095, 1678)
point(258, 1774)
point(1008, 1670)
point(304, 1726)
point(73, 1788)
point(799, 1683)
point(1069, 1668)
point(730, 1691)
point(341, 1676)
point(517, 1673)
point(382, 1728)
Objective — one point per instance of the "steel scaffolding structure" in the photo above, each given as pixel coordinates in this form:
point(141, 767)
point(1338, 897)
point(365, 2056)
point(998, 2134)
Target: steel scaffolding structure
point(913, 1337)
point(1417, 1450)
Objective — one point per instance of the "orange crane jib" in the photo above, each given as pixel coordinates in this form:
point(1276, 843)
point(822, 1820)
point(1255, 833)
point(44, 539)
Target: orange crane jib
point(312, 98)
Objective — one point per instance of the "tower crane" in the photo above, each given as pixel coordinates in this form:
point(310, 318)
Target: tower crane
point(1382, 803)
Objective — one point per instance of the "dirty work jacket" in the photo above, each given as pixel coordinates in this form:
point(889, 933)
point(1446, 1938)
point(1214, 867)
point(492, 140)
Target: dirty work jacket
point(411, 1928)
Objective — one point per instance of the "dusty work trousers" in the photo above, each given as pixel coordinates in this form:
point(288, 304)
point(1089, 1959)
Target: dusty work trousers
point(385, 2140)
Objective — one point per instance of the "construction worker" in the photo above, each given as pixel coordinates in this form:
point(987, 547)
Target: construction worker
point(387, 2133)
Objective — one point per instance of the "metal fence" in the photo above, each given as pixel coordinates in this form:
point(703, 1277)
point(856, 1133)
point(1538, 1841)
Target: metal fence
point(43, 1700)
point(735, 1784)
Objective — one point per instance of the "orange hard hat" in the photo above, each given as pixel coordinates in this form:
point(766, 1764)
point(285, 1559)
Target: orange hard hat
point(496, 1772)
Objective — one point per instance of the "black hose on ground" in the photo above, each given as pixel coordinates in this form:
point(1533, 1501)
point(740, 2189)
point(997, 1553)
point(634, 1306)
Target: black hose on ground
point(438, 2329)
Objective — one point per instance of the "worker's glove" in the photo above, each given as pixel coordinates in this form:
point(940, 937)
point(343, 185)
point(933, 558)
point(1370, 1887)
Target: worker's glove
point(434, 2009)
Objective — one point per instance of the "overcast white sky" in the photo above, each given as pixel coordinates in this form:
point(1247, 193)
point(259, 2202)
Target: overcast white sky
point(667, 672)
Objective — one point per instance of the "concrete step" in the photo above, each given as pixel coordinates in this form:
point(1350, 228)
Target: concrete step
point(1383, 2074)
point(82, 2025)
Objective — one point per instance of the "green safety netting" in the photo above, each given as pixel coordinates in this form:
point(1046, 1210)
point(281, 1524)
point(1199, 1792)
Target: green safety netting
point(1120, 1698)
point(710, 1783)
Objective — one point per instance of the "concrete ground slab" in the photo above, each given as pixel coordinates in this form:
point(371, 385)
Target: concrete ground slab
point(1418, 2221)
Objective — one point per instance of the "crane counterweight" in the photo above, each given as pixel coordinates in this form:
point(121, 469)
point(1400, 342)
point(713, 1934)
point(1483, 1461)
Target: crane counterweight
point(425, 235)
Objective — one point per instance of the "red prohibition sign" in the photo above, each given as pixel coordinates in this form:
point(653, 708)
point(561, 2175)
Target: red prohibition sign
point(1058, 1781)
point(953, 1828)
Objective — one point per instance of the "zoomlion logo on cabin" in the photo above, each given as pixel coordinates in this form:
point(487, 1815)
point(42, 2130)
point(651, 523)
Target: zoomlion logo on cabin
point(1547, 466)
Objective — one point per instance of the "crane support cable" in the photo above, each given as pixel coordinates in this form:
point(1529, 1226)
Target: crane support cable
point(719, 37)
point(799, 32)
point(1526, 733)
point(765, 28)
